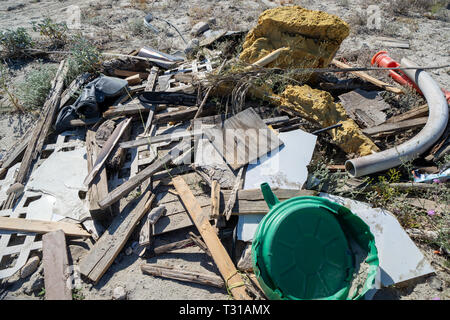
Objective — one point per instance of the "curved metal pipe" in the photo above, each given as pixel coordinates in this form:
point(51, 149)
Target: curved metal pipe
point(411, 149)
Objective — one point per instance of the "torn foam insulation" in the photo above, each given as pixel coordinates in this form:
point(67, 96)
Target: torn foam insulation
point(318, 106)
point(312, 37)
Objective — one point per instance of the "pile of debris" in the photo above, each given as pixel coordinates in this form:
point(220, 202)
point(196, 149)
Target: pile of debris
point(158, 143)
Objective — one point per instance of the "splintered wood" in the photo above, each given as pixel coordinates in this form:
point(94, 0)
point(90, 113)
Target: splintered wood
point(232, 278)
point(101, 256)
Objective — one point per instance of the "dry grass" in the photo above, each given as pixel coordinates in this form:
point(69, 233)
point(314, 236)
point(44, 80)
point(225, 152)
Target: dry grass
point(139, 4)
point(199, 13)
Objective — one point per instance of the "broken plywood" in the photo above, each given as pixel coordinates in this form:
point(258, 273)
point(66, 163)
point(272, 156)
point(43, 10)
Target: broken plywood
point(365, 107)
point(243, 138)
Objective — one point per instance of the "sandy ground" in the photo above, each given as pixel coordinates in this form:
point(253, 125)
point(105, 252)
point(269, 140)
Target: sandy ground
point(109, 22)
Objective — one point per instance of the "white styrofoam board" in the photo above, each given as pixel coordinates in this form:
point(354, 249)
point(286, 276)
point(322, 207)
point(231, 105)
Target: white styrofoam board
point(284, 168)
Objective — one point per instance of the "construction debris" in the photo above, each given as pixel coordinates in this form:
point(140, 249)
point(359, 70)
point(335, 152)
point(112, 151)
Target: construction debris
point(313, 37)
point(156, 145)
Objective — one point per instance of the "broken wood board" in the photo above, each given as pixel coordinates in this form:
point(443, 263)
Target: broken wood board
point(410, 114)
point(56, 266)
point(102, 255)
point(134, 107)
point(136, 180)
point(248, 202)
point(233, 279)
point(38, 226)
point(363, 75)
point(171, 272)
point(365, 107)
point(243, 138)
point(107, 148)
point(98, 189)
point(388, 128)
point(392, 42)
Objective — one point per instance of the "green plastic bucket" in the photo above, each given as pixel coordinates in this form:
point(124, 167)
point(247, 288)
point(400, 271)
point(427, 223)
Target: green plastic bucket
point(301, 249)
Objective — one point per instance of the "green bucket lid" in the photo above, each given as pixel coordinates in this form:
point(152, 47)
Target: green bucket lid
point(300, 250)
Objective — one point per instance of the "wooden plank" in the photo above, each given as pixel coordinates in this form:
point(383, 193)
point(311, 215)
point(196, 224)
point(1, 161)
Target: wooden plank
point(40, 132)
point(134, 181)
point(98, 189)
point(102, 255)
point(397, 126)
point(133, 80)
point(248, 202)
point(108, 146)
point(152, 218)
point(172, 246)
point(56, 266)
point(215, 199)
point(365, 107)
point(73, 88)
point(83, 122)
point(171, 272)
point(151, 81)
point(175, 116)
point(131, 108)
point(232, 198)
point(243, 138)
point(128, 73)
point(39, 226)
point(232, 278)
point(160, 138)
point(410, 114)
point(363, 75)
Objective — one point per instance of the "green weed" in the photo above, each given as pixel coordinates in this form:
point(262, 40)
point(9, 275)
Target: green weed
point(36, 87)
point(14, 42)
point(55, 32)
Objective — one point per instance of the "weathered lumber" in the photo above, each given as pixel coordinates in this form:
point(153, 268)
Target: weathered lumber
point(151, 81)
point(134, 181)
point(182, 275)
point(172, 246)
point(74, 87)
point(83, 122)
point(175, 116)
point(106, 150)
point(39, 226)
point(160, 138)
point(215, 199)
point(131, 108)
point(128, 73)
point(232, 198)
point(410, 114)
point(243, 138)
point(134, 80)
point(40, 132)
point(198, 241)
point(56, 266)
point(397, 126)
point(247, 203)
point(363, 75)
point(98, 189)
point(223, 261)
point(108, 247)
point(180, 135)
point(152, 218)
